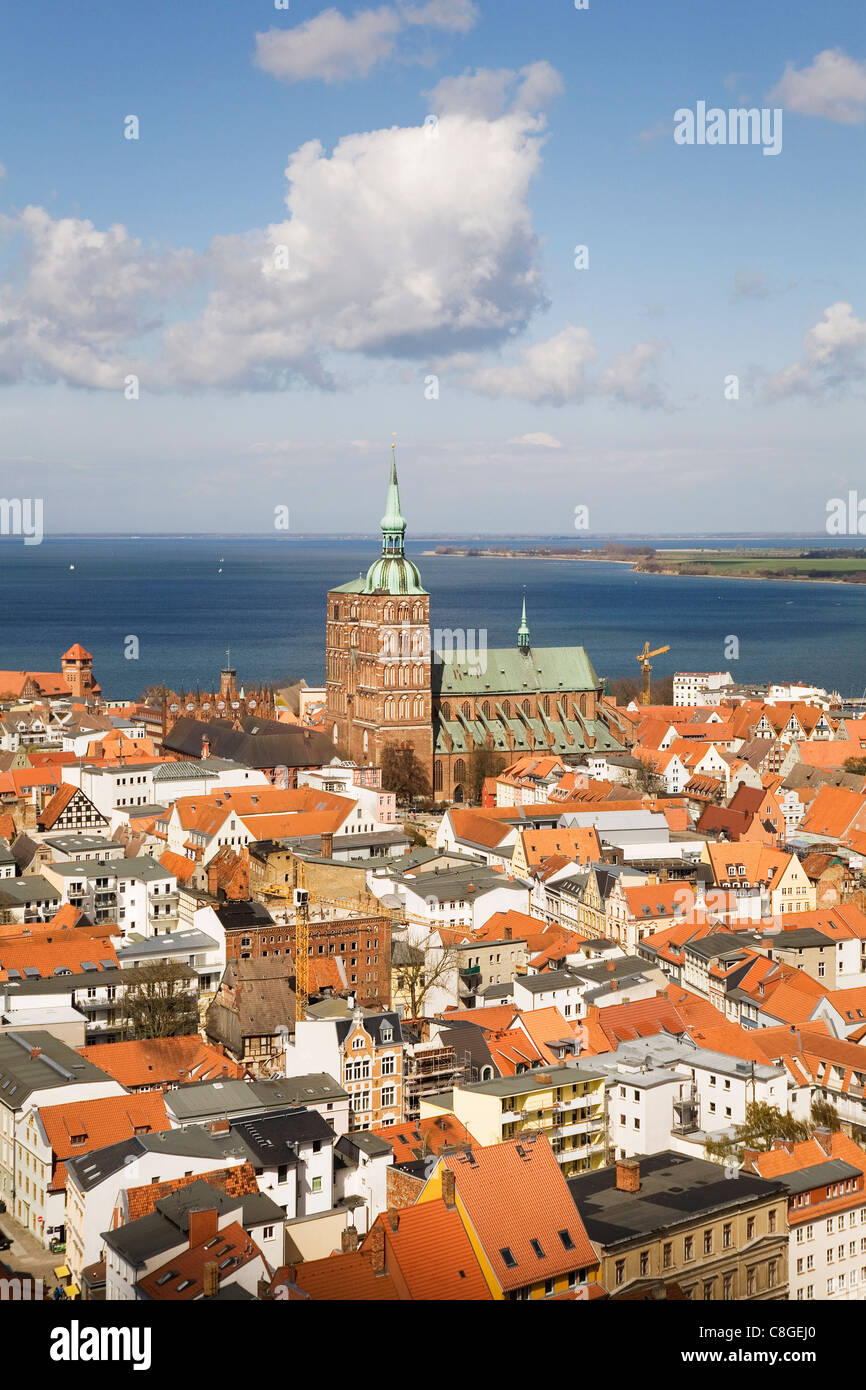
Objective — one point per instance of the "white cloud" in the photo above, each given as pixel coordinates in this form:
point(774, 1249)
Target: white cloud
point(538, 441)
point(552, 371)
point(488, 92)
point(459, 16)
point(834, 356)
point(456, 272)
point(333, 48)
point(629, 377)
point(557, 372)
point(329, 46)
point(834, 86)
point(79, 297)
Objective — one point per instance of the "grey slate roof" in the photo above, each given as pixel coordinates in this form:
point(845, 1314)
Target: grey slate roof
point(272, 1138)
point(674, 1190)
point(263, 743)
point(56, 1065)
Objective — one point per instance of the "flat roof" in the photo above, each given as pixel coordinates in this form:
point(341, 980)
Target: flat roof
point(675, 1190)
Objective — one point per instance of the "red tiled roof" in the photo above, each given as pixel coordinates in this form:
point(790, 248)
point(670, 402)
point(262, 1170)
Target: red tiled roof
point(411, 1141)
point(433, 1254)
point(239, 1181)
point(98, 1123)
point(188, 1266)
point(512, 1199)
point(162, 1061)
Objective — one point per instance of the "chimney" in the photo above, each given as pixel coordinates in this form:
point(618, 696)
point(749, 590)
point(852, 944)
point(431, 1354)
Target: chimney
point(824, 1136)
point(34, 1053)
point(202, 1226)
point(327, 844)
point(613, 986)
point(393, 1218)
point(219, 1126)
point(786, 1145)
point(750, 1158)
point(628, 1175)
point(205, 746)
point(611, 966)
point(211, 1279)
point(449, 1189)
point(377, 1249)
point(349, 1239)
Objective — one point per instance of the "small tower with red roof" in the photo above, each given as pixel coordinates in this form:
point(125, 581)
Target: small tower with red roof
point(77, 668)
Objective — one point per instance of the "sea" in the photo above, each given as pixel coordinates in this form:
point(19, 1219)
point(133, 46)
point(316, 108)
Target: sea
point(193, 604)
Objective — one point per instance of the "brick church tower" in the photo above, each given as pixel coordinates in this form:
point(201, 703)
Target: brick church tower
point(378, 652)
point(77, 668)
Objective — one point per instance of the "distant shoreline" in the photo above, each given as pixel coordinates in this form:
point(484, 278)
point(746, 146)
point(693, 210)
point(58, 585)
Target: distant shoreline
point(703, 564)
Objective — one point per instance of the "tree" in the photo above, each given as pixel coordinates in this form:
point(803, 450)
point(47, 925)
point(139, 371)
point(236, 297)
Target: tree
point(647, 780)
point(421, 969)
point(855, 765)
point(159, 1002)
point(403, 772)
point(765, 1124)
point(484, 762)
point(825, 1115)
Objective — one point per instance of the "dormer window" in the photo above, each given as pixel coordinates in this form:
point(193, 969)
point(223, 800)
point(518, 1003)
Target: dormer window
point(387, 1033)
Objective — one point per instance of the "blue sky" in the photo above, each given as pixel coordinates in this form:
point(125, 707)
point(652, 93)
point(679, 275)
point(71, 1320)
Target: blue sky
point(411, 254)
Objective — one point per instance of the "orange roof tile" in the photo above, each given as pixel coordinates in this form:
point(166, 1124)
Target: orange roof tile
point(433, 1254)
point(188, 1266)
point(162, 1061)
point(411, 1141)
point(95, 1124)
point(239, 1181)
point(511, 1198)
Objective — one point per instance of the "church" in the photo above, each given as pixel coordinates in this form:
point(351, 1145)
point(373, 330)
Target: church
point(387, 683)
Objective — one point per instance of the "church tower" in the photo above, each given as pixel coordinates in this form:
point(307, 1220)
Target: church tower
point(378, 651)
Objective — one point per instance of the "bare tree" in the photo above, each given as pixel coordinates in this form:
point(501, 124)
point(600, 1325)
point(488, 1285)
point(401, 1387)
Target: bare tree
point(421, 969)
point(159, 1002)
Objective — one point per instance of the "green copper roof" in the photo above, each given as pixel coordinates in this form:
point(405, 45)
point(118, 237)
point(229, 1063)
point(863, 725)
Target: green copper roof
point(568, 736)
point(393, 520)
point(393, 573)
point(523, 630)
point(516, 671)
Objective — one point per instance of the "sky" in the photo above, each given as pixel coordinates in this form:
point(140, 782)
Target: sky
point(244, 248)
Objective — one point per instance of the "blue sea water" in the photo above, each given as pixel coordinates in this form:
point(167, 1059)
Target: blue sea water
point(187, 599)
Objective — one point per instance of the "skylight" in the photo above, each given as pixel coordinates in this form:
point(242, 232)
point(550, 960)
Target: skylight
point(508, 1258)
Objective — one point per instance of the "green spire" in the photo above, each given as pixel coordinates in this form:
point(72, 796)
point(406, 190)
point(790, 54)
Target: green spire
point(523, 631)
point(393, 523)
point(393, 572)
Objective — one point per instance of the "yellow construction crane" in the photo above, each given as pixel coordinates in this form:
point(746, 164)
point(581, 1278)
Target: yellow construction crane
point(302, 952)
point(644, 659)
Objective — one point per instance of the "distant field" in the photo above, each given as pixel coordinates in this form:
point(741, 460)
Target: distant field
point(758, 562)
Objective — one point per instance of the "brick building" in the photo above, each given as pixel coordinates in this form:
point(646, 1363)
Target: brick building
point(385, 684)
point(360, 945)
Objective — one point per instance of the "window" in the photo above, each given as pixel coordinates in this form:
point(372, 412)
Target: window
point(567, 1242)
point(644, 1262)
point(751, 1282)
point(750, 1228)
point(508, 1258)
point(727, 1287)
point(388, 1093)
point(316, 1185)
point(619, 1272)
point(689, 1248)
point(771, 1221)
point(388, 1065)
point(772, 1269)
point(726, 1236)
point(536, 1247)
point(667, 1255)
point(708, 1289)
point(708, 1242)
point(268, 1233)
